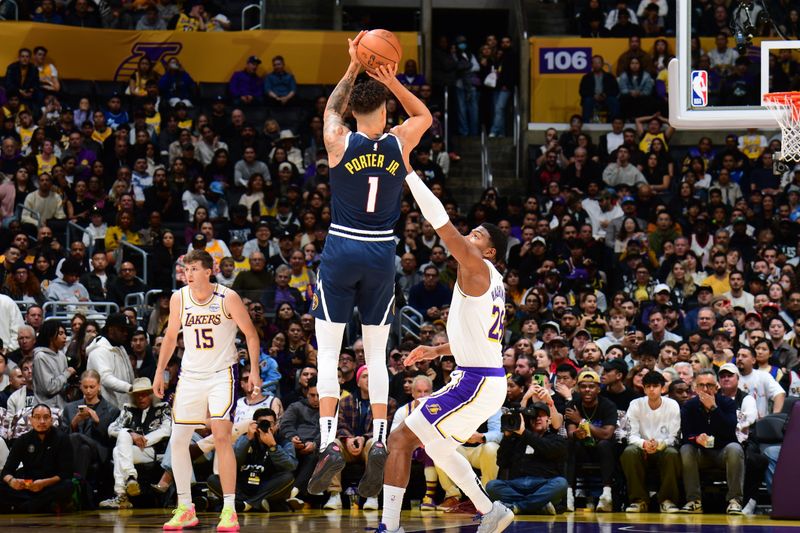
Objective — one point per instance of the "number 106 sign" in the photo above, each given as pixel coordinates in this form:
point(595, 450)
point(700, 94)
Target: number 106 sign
point(565, 60)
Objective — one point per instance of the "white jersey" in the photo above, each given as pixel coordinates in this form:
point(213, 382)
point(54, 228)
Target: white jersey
point(475, 324)
point(209, 333)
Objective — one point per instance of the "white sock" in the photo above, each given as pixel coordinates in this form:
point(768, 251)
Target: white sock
point(607, 492)
point(229, 501)
point(392, 505)
point(327, 431)
point(380, 430)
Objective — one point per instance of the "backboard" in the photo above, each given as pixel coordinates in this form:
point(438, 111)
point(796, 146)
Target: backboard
point(700, 98)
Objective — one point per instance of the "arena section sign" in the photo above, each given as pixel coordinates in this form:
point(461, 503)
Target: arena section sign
point(112, 55)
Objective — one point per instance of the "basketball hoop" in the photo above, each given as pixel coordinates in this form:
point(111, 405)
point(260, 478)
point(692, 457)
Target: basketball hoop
point(785, 107)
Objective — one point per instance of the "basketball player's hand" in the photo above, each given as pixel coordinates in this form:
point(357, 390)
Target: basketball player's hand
point(158, 385)
point(384, 73)
point(353, 46)
point(253, 382)
point(421, 353)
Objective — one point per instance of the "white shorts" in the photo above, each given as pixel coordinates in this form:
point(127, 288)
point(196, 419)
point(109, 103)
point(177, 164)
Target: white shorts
point(459, 408)
point(199, 397)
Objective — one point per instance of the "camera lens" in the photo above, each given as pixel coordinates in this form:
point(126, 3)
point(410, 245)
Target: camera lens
point(264, 425)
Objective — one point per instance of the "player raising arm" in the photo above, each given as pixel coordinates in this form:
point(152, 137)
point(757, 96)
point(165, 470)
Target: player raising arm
point(210, 316)
point(477, 388)
point(357, 268)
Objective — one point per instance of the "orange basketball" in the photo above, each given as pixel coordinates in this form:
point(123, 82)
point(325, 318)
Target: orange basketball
point(379, 47)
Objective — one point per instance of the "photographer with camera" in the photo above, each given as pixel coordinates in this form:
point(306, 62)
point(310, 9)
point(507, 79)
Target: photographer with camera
point(264, 464)
point(531, 459)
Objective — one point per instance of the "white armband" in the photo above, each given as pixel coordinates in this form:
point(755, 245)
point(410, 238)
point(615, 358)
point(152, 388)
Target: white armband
point(432, 209)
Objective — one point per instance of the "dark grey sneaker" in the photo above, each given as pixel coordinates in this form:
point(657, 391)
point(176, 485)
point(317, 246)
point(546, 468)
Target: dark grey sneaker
point(329, 463)
point(372, 482)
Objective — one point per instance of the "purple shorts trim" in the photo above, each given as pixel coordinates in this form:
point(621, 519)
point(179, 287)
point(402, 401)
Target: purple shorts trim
point(484, 371)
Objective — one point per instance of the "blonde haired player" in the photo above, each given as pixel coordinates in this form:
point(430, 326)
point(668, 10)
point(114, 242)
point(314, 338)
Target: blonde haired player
point(210, 316)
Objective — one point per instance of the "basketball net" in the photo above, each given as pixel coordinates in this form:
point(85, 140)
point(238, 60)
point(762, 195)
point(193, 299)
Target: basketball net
point(785, 107)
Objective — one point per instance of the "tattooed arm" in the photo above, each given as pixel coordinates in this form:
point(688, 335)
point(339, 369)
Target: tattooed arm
point(335, 129)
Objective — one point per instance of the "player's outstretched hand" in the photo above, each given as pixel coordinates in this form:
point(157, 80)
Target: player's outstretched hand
point(421, 353)
point(253, 382)
point(158, 385)
point(384, 73)
point(353, 46)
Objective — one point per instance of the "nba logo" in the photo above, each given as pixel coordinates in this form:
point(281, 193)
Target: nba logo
point(699, 88)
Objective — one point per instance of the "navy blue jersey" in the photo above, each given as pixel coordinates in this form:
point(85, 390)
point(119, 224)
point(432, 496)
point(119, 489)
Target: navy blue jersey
point(367, 184)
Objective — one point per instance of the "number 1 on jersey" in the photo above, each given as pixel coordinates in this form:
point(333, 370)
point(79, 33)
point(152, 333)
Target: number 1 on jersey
point(373, 194)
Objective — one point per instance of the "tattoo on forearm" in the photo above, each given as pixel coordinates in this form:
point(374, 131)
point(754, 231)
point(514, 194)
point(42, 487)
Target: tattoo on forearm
point(337, 101)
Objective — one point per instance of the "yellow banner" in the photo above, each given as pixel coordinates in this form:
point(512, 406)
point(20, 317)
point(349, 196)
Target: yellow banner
point(557, 65)
point(112, 55)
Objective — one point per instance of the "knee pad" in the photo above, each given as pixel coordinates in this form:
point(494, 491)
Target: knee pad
point(440, 448)
point(375, 338)
point(329, 342)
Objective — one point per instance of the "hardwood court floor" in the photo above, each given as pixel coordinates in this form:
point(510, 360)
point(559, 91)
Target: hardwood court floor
point(346, 521)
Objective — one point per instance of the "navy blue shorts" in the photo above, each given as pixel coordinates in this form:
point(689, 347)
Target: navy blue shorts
point(354, 273)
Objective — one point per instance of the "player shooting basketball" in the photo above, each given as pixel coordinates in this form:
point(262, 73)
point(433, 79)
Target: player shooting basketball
point(366, 177)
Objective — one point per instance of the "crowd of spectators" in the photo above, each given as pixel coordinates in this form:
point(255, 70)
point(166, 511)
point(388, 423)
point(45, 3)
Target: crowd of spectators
point(652, 303)
point(140, 15)
point(657, 18)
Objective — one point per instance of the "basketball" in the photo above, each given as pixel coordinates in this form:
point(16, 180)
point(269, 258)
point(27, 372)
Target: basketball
point(379, 47)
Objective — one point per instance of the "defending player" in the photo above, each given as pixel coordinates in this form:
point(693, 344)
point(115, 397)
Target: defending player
point(209, 315)
point(357, 269)
point(477, 390)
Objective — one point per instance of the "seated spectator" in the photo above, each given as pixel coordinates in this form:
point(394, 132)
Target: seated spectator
point(636, 89)
point(300, 426)
point(279, 85)
point(760, 385)
point(37, 476)
point(354, 435)
point(264, 461)
point(107, 355)
point(654, 425)
point(430, 295)
point(122, 231)
point(245, 87)
point(599, 88)
point(533, 456)
point(622, 172)
point(624, 27)
point(247, 168)
point(285, 293)
point(591, 421)
point(16, 381)
point(708, 426)
point(48, 74)
point(87, 420)
point(50, 369)
point(176, 85)
point(22, 285)
point(99, 278)
point(68, 288)
point(756, 462)
point(141, 431)
point(255, 280)
point(138, 80)
point(45, 201)
point(126, 283)
point(22, 78)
